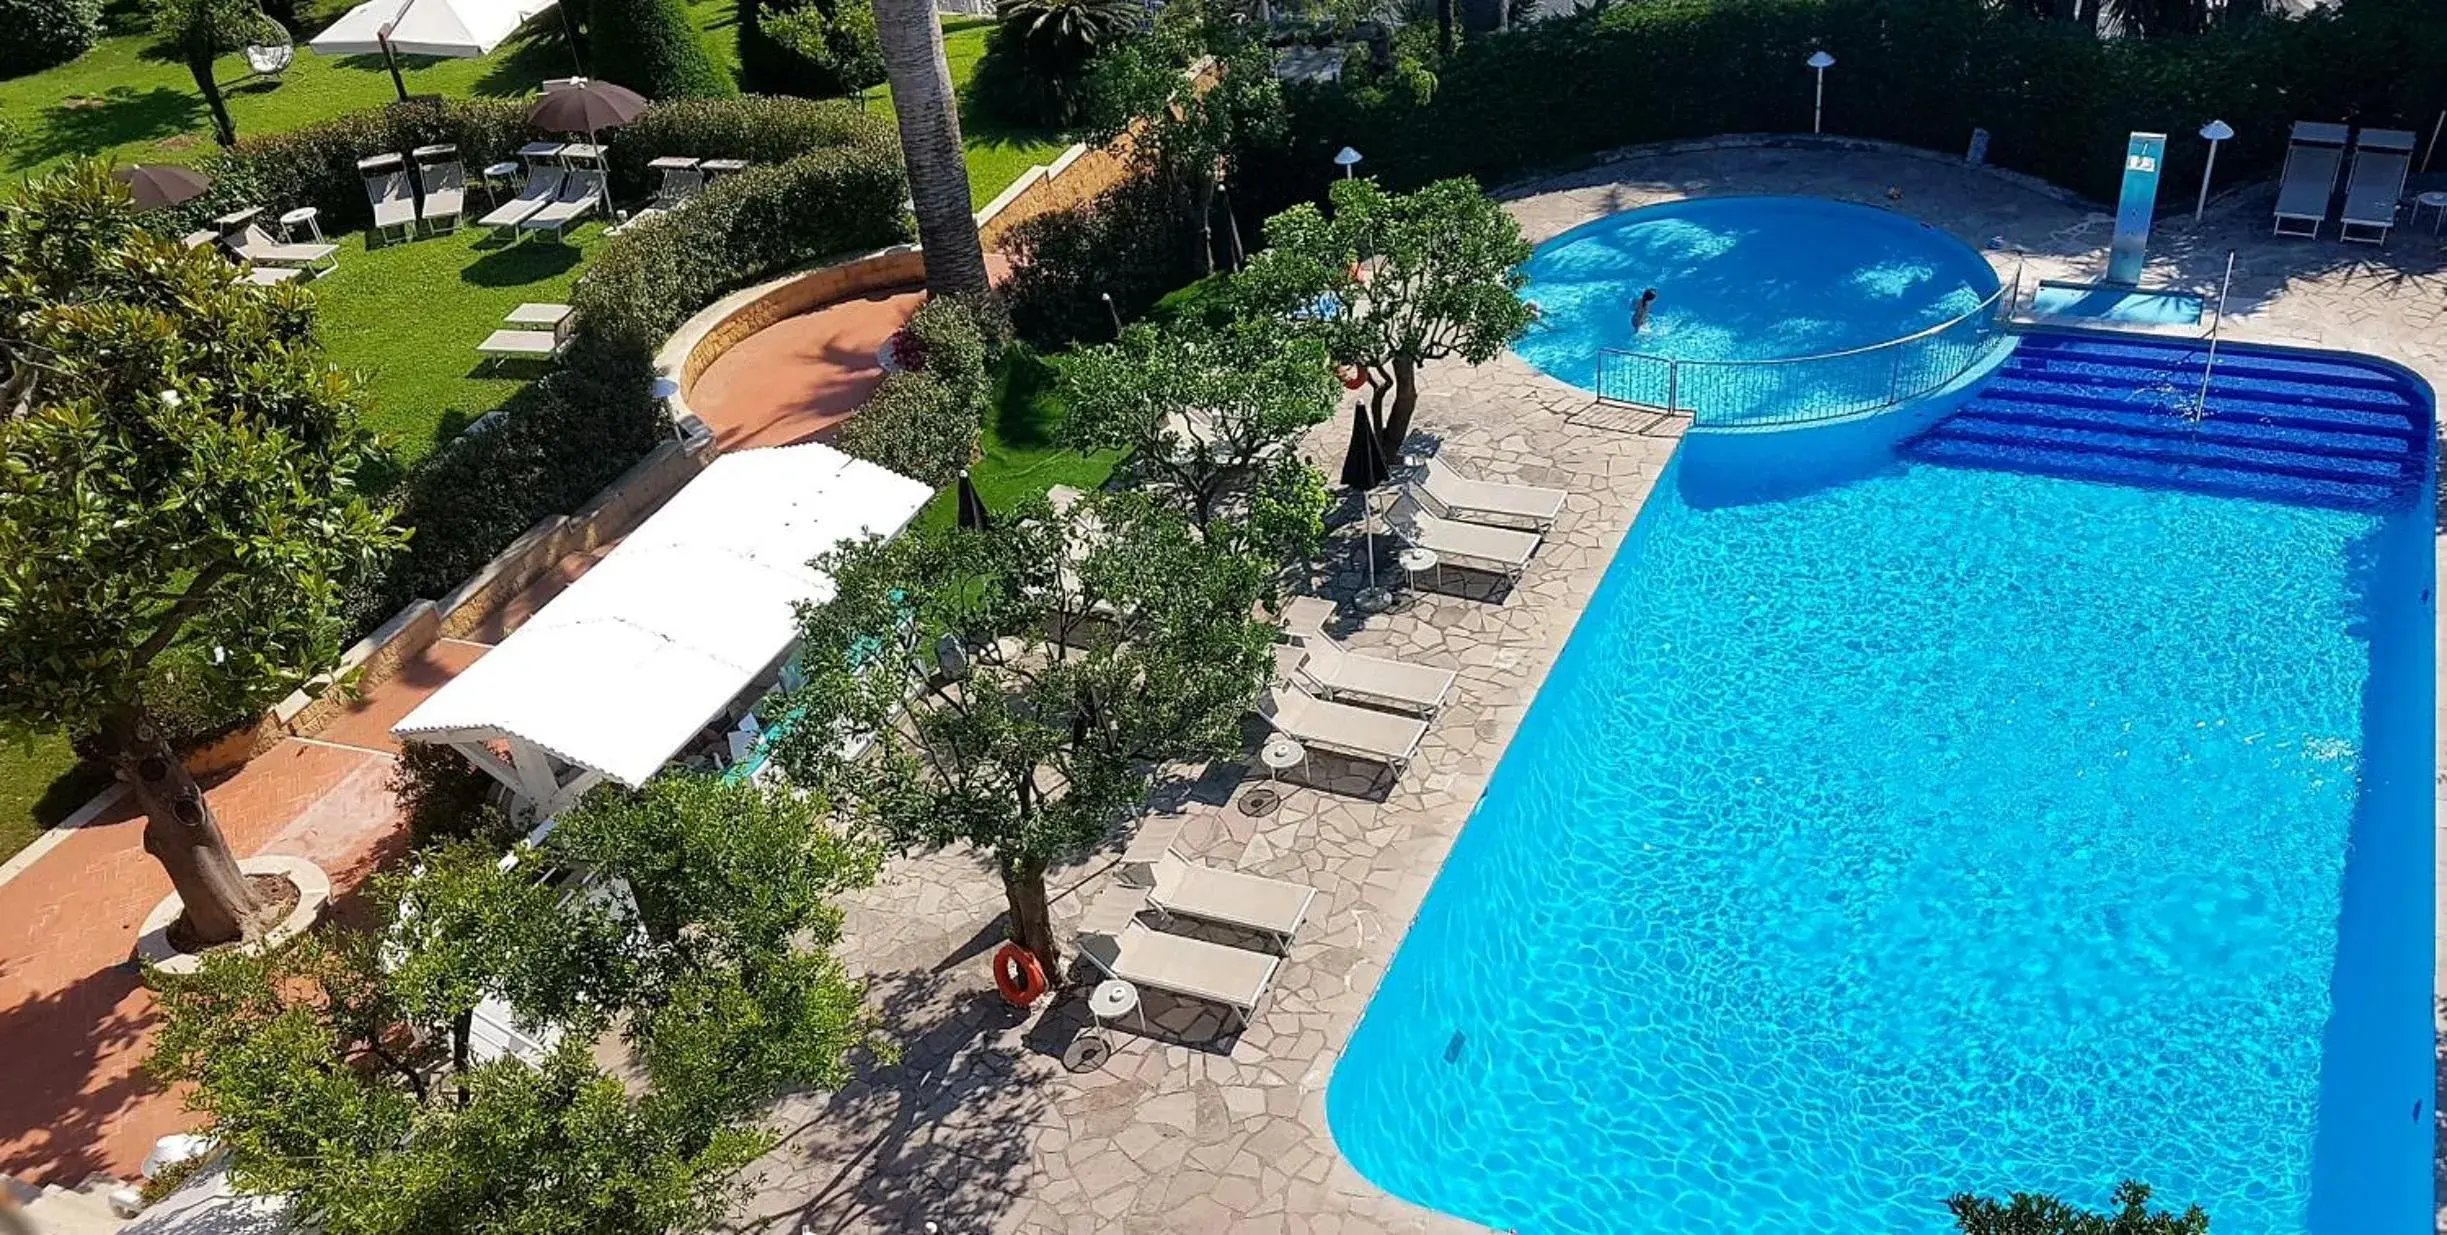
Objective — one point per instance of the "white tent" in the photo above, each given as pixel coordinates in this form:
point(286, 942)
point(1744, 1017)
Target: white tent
point(619, 672)
point(462, 29)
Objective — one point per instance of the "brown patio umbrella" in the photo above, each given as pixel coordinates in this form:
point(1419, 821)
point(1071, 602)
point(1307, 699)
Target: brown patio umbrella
point(158, 186)
point(584, 106)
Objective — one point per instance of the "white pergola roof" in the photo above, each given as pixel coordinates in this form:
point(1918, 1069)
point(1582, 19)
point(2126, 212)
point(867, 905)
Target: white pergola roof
point(617, 673)
point(458, 28)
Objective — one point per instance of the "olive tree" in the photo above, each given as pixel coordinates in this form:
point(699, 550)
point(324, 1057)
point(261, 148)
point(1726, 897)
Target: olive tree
point(1018, 689)
point(202, 31)
point(1396, 281)
point(178, 465)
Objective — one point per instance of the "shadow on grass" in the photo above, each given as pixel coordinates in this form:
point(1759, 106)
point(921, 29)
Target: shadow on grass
point(535, 53)
point(1028, 402)
point(69, 791)
point(516, 265)
point(123, 116)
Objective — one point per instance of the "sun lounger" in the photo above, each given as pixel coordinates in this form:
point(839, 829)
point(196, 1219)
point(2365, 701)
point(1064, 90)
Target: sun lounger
point(1361, 733)
point(1337, 672)
point(247, 239)
point(444, 179)
point(543, 185)
point(2382, 158)
point(1498, 550)
point(2310, 179)
point(1273, 907)
point(1236, 978)
point(386, 187)
point(1456, 496)
point(531, 332)
point(581, 193)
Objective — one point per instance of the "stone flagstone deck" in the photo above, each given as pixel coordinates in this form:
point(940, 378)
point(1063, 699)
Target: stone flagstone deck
point(979, 1126)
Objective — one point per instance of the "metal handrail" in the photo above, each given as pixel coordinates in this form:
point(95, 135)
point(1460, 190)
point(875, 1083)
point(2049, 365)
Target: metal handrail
point(1990, 307)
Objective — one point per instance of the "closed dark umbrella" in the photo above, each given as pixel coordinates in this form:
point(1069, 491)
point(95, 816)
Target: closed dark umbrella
point(158, 186)
point(585, 106)
point(973, 516)
point(1363, 469)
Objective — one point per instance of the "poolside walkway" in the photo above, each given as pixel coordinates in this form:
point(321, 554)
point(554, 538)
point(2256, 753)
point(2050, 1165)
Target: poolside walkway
point(980, 1127)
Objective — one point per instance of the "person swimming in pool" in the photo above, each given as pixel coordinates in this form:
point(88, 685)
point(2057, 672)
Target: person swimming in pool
point(1639, 312)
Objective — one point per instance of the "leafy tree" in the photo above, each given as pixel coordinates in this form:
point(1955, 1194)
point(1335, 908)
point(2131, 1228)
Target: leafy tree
point(1017, 689)
point(178, 465)
point(927, 110)
point(1188, 132)
point(1395, 281)
point(338, 1069)
point(837, 42)
point(2032, 1214)
point(652, 47)
point(1039, 55)
point(1214, 415)
point(36, 34)
point(201, 31)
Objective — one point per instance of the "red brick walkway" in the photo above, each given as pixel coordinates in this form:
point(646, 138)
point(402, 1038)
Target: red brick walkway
point(75, 1023)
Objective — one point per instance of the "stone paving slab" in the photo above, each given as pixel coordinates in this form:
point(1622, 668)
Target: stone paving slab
point(979, 1126)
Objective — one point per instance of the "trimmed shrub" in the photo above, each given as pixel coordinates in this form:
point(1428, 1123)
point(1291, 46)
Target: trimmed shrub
point(763, 131)
point(37, 34)
point(833, 49)
point(743, 228)
point(651, 47)
point(1128, 241)
point(917, 426)
point(2057, 100)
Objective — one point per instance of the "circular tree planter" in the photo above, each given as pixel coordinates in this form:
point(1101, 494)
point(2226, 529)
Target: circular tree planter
point(153, 945)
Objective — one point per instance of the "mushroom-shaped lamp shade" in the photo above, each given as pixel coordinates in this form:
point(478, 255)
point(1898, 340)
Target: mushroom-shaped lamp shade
point(1821, 60)
point(1345, 157)
point(2217, 130)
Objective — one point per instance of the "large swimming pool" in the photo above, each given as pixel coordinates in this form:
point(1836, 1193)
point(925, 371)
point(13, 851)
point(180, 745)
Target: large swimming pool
point(1943, 830)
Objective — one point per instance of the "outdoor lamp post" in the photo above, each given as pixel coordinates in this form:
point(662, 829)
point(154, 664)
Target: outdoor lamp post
point(1822, 62)
point(2216, 131)
point(1346, 158)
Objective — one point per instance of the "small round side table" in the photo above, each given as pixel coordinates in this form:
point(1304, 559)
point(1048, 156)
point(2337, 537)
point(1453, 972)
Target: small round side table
point(1112, 1000)
point(496, 174)
point(2437, 202)
point(304, 216)
point(1413, 560)
point(1280, 754)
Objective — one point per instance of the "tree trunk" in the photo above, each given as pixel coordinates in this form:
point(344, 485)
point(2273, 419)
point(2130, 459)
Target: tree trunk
point(912, 44)
point(1405, 400)
point(1032, 915)
point(1202, 209)
point(462, 1036)
point(179, 830)
point(1444, 25)
point(224, 130)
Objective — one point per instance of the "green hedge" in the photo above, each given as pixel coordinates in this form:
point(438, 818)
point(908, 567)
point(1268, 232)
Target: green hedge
point(36, 34)
point(651, 47)
point(924, 421)
point(761, 130)
point(2056, 100)
point(553, 446)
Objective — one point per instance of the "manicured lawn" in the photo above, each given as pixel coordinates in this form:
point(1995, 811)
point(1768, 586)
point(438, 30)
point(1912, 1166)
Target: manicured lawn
point(40, 784)
point(408, 316)
point(1022, 457)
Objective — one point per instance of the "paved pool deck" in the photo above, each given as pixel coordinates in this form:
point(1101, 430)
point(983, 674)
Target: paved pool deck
point(981, 1127)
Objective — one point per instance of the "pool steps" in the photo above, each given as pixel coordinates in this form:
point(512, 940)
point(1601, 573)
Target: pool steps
point(2281, 426)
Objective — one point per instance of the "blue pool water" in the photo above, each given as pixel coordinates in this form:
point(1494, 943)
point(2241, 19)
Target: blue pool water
point(1947, 829)
point(1743, 278)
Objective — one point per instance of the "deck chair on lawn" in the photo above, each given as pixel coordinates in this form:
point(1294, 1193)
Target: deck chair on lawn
point(1236, 978)
point(1274, 908)
point(246, 238)
point(2313, 156)
point(580, 195)
point(1360, 733)
point(543, 184)
point(386, 187)
point(1471, 500)
point(444, 179)
point(1472, 546)
point(2382, 159)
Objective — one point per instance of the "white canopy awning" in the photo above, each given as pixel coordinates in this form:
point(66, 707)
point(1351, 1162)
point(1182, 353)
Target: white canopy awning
point(617, 673)
point(463, 29)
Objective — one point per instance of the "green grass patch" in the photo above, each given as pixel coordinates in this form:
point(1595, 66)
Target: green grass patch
point(408, 316)
point(1022, 454)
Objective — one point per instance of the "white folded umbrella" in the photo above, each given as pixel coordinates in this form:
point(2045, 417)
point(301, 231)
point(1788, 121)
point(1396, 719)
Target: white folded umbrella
point(463, 29)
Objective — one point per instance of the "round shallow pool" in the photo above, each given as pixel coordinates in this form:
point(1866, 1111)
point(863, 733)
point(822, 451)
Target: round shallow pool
point(1744, 279)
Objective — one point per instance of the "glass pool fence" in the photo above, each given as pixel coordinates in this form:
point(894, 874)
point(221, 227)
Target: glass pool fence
point(1802, 389)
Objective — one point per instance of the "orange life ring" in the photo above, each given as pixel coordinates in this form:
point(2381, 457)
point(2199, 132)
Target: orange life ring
point(1018, 976)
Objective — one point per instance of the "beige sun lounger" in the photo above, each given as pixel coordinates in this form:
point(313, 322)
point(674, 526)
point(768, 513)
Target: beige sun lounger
point(2313, 155)
point(247, 239)
point(1273, 907)
point(1500, 550)
point(1456, 496)
point(543, 185)
point(386, 187)
point(2382, 158)
point(580, 195)
point(1362, 733)
point(444, 178)
point(1337, 672)
point(1236, 978)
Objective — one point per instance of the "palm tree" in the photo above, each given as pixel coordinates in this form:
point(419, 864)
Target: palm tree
point(929, 117)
